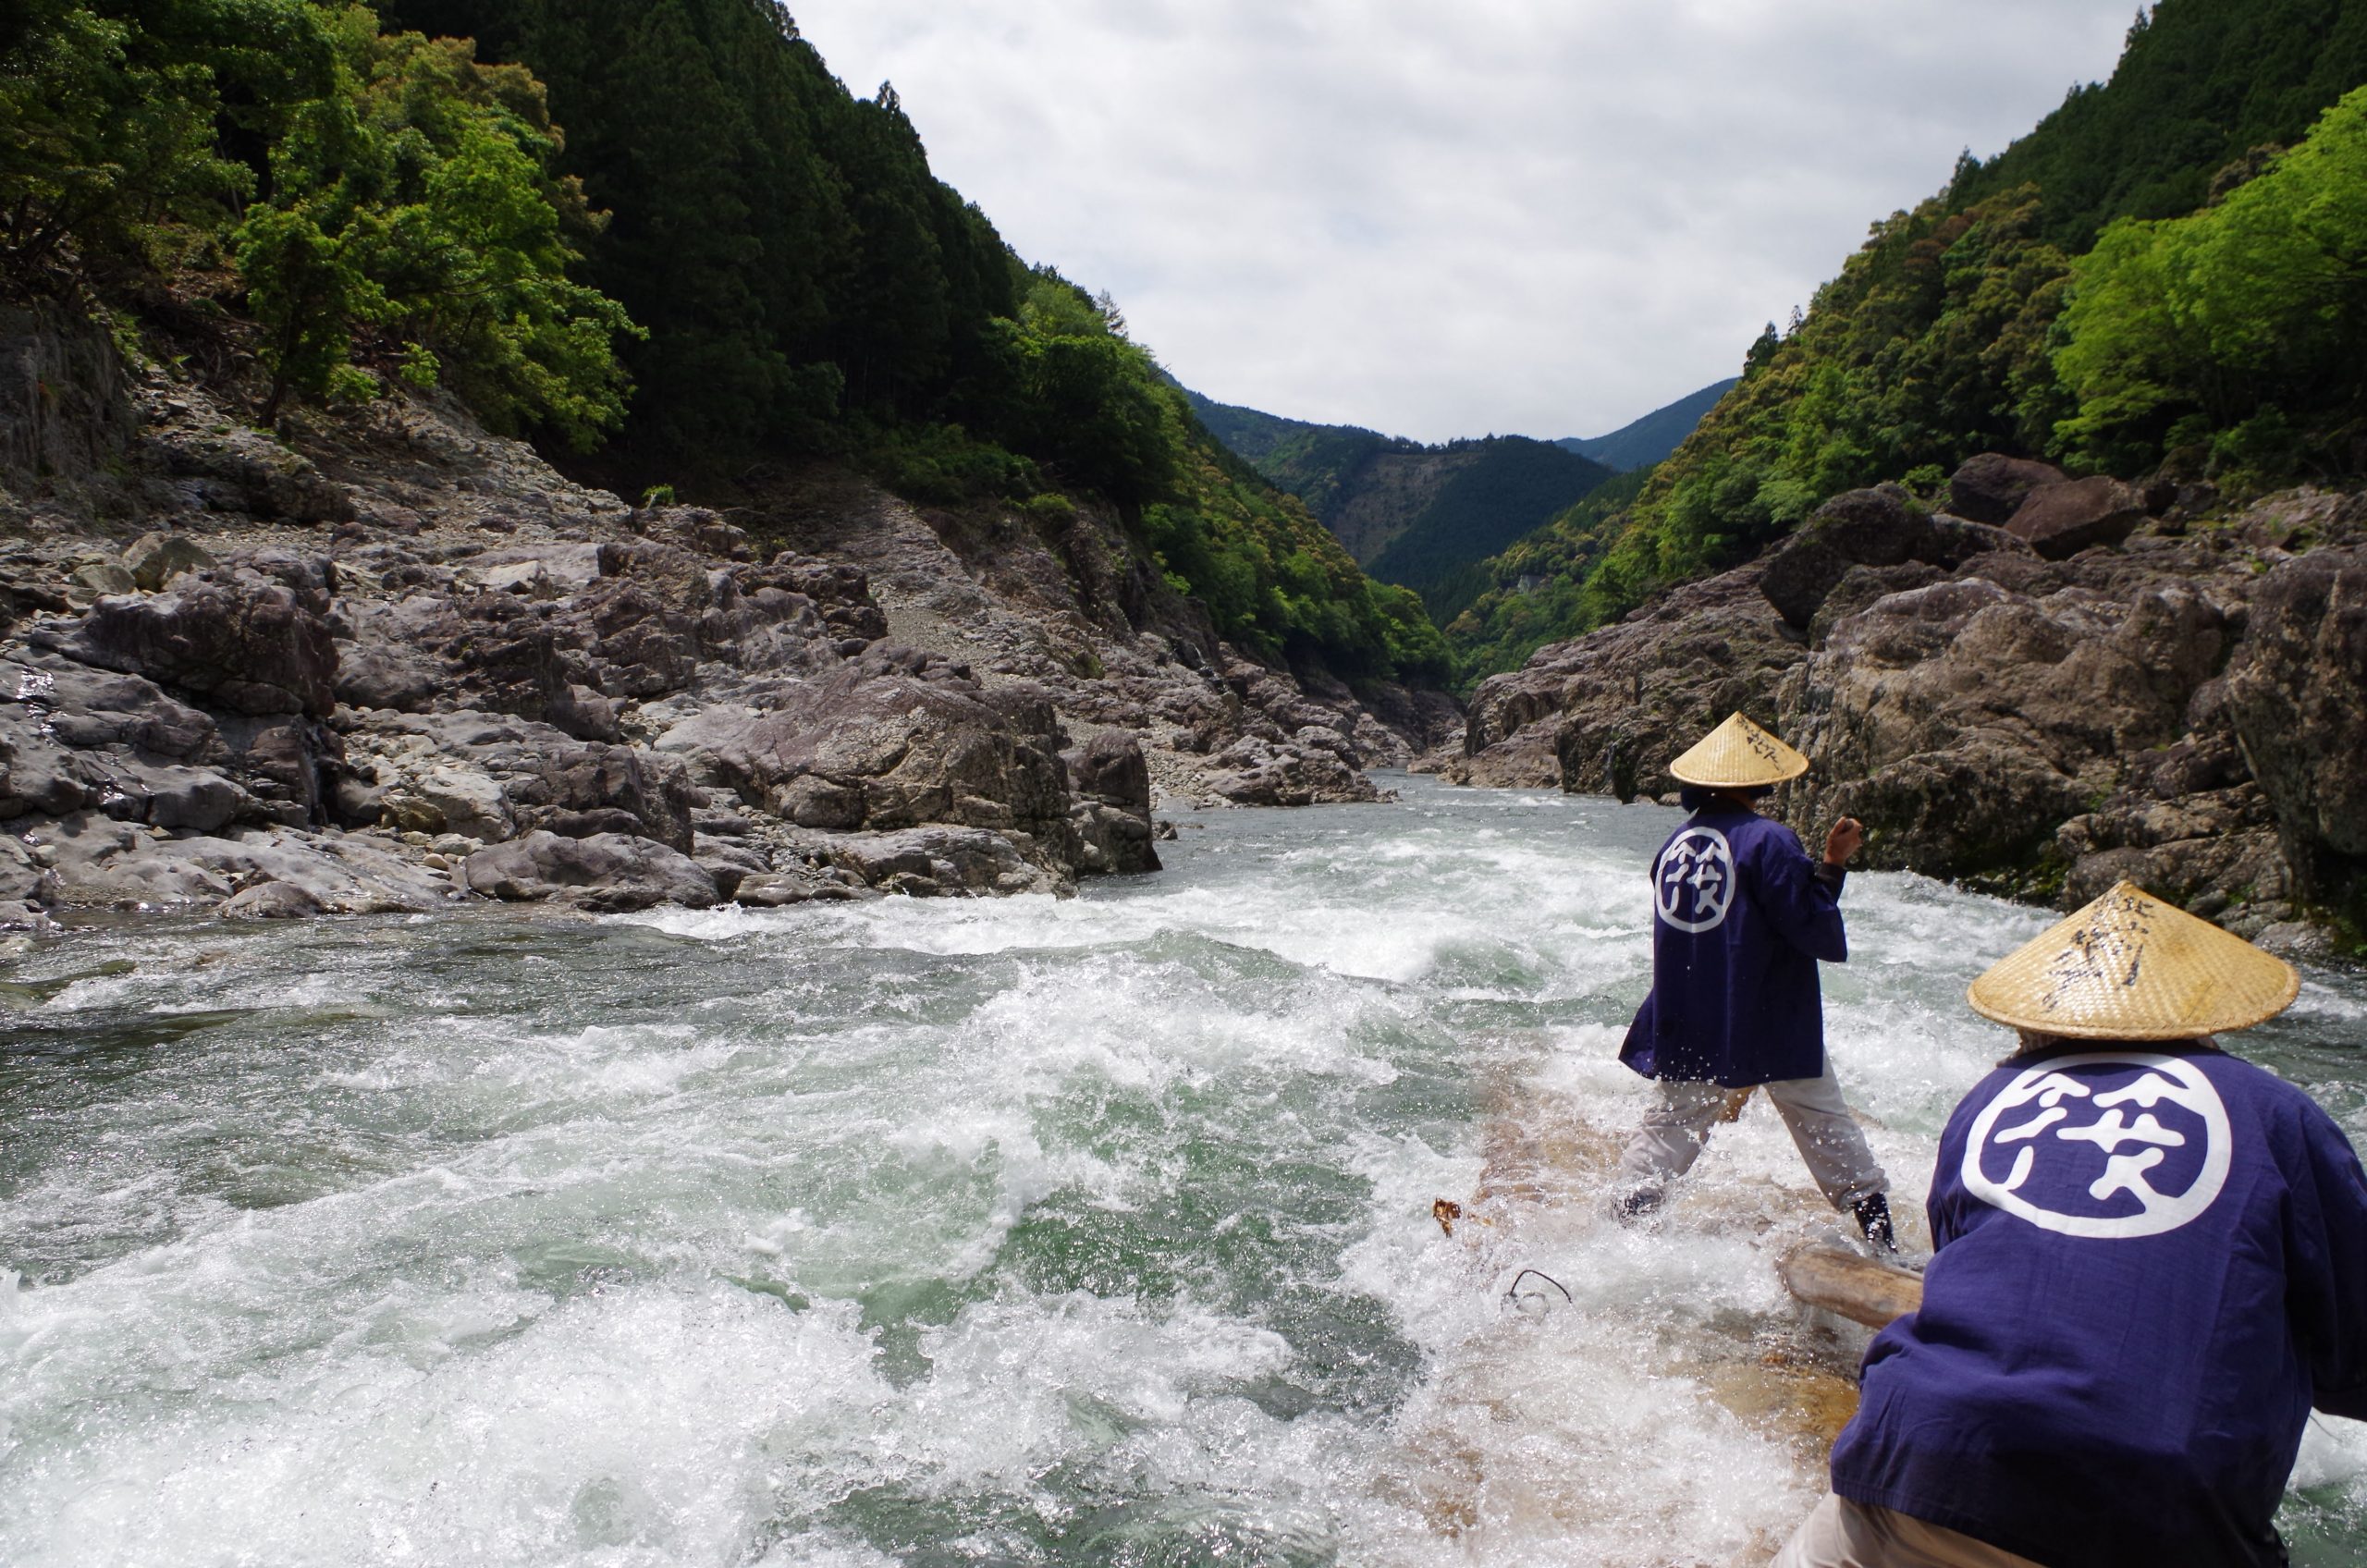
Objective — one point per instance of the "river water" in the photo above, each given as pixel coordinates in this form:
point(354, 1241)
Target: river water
point(1011, 1231)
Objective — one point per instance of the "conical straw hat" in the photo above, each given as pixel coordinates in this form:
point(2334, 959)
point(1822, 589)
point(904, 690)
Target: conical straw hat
point(2130, 967)
point(1737, 755)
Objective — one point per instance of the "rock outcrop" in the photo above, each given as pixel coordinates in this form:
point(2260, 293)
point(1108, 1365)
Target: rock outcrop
point(2181, 702)
point(386, 661)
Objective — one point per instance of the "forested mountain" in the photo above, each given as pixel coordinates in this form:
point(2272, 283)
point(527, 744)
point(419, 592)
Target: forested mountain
point(1423, 517)
point(1644, 442)
point(2162, 276)
point(659, 230)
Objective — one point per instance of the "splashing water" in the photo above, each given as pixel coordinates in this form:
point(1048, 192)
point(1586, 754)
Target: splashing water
point(1013, 1231)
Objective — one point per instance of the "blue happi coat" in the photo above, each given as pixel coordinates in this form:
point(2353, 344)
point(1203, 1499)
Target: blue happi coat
point(2152, 1261)
point(1741, 917)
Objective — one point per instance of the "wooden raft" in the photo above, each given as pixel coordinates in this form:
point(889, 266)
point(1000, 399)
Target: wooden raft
point(1851, 1285)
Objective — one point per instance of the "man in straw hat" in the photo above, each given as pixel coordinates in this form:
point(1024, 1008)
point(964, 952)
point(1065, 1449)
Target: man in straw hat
point(2152, 1262)
point(1741, 918)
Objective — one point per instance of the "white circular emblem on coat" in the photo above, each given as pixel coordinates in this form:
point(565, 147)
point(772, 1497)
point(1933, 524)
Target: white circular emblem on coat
point(2068, 1157)
point(1695, 878)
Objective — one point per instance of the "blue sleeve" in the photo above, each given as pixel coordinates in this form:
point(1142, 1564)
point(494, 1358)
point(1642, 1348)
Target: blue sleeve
point(2325, 1252)
point(1804, 907)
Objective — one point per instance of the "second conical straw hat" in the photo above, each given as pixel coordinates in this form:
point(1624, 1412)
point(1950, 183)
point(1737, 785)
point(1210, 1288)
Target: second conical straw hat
point(2130, 967)
point(1737, 756)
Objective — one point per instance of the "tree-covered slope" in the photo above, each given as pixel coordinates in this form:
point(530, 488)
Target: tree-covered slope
point(2049, 303)
point(662, 230)
point(1420, 516)
point(1642, 443)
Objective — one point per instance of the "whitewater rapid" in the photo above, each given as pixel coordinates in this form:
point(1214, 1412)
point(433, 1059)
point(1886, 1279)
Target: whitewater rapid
point(999, 1231)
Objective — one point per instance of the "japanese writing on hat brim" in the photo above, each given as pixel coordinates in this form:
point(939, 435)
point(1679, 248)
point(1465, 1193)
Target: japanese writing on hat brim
point(2130, 967)
point(1738, 754)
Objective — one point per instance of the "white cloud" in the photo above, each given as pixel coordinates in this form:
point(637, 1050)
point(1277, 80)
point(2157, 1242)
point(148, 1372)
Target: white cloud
point(1547, 216)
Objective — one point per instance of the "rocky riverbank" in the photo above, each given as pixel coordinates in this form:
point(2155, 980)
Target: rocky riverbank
point(2047, 686)
point(385, 661)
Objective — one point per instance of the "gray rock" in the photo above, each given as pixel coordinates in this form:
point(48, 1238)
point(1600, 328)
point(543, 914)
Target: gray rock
point(886, 744)
point(270, 900)
point(241, 470)
point(2061, 520)
point(381, 677)
point(1991, 487)
point(1112, 814)
point(106, 863)
point(938, 861)
point(1880, 527)
point(93, 581)
point(771, 890)
point(607, 873)
point(251, 649)
point(155, 559)
point(2296, 694)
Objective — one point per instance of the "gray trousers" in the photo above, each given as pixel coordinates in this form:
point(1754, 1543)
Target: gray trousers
point(1842, 1534)
point(1678, 1123)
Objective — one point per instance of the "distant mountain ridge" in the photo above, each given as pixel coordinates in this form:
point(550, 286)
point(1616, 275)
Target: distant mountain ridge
point(1653, 438)
point(1419, 516)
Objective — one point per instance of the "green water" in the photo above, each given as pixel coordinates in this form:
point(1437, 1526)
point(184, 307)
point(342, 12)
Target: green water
point(1009, 1231)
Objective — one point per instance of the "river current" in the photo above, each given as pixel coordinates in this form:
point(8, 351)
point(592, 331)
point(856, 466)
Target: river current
point(1003, 1231)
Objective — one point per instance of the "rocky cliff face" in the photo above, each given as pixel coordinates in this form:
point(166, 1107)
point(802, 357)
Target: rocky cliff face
point(2054, 685)
point(388, 662)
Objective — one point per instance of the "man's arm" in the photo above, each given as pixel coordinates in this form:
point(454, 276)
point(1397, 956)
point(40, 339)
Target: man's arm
point(1802, 899)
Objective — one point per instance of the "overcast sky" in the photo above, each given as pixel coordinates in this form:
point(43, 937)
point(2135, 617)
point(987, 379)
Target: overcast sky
point(1453, 217)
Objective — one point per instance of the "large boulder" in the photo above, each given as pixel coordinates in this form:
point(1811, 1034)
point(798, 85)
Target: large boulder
point(890, 741)
point(1112, 811)
point(242, 470)
point(98, 862)
point(1884, 531)
point(2296, 692)
point(1991, 487)
point(2061, 520)
point(1964, 722)
point(1883, 526)
point(246, 645)
point(606, 873)
point(931, 862)
point(155, 559)
point(1607, 712)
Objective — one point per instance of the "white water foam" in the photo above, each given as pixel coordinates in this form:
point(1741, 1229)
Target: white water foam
point(1028, 1230)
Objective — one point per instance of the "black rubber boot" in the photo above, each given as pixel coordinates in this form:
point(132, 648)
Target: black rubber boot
point(1873, 1219)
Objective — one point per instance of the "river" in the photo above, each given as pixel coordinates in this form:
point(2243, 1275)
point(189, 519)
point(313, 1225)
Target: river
point(997, 1231)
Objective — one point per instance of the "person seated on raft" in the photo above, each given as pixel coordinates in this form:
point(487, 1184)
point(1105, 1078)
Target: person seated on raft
point(2152, 1262)
point(1741, 916)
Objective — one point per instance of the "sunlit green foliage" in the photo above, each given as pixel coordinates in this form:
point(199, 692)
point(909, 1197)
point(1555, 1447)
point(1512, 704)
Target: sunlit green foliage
point(121, 123)
point(377, 194)
point(1278, 582)
point(412, 201)
point(2237, 328)
point(1931, 345)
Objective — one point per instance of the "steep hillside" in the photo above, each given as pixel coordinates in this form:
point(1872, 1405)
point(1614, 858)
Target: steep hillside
point(2006, 533)
point(1646, 441)
point(2213, 344)
point(291, 620)
point(1420, 516)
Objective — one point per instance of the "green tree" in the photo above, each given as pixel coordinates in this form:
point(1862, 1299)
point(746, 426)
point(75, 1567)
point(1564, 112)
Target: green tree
point(132, 130)
point(2188, 328)
point(415, 201)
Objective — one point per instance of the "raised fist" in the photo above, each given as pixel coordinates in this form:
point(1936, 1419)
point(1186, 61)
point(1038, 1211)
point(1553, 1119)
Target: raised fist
point(1843, 841)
